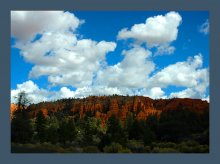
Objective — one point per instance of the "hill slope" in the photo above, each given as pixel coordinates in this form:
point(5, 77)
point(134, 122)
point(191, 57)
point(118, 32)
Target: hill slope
point(105, 106)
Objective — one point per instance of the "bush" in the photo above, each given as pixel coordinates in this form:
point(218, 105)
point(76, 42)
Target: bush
point(184, 148)
point(164, 150)
point(90, 149)
point(190, 143)
point(113, 148)
point(147, 149)
point(165, 145)
point(125, 150)
point(136, 146)
point(73, 150)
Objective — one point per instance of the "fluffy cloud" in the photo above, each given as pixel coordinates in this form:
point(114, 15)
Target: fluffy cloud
point(66, 60)
point(132, 72)
point(25, 25)
point(165, 49)
point(206, 99)
point(155, 31)
point(58, 54)
point(32, 90)
point(188, 74)
point(204, 28)
point(36, 94)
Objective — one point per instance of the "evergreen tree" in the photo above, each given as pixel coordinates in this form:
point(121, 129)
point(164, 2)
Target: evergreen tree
point(116, 131)
point(66, 131)
point(128, 123)
point(137, 130)
point(21, 127)
point(41, 126)
point(52, 130)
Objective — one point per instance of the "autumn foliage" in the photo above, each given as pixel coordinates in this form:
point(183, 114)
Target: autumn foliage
point(105, 106)
point(115, 124)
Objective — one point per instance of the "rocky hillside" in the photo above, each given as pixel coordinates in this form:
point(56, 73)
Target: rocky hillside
point(105, 106)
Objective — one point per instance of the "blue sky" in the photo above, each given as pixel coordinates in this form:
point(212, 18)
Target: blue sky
point(156, 54)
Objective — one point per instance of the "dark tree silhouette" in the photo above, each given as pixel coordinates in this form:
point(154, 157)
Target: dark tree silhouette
point(21, 127)
point(41, 126)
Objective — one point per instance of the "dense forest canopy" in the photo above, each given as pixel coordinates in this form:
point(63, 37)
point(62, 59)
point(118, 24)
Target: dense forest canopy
point(129, 124)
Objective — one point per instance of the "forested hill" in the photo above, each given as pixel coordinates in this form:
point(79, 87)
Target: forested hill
point(105, 106)
point(112, 124)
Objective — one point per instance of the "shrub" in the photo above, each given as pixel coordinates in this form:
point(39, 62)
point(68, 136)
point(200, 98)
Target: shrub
point(147, 149)
point(90, 149)
point(136, 146)
point(164, 150)
point(125, 150)
point(113, 148)
point(194, 149)
point(165, 145)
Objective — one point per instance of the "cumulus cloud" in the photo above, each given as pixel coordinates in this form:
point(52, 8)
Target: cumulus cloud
point(206, 98)
point(25, 25)
point(36, 94)
point(165, 49)
point(155, 31)
point(58, 53)
point(131, 72)
point(66, 60)
point(204, 28)
point(32, 90)
point(189, 74)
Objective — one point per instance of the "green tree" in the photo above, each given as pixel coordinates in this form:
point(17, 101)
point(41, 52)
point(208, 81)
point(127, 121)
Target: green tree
point(174, 125)
point(21, 125)
point(52, 130)
point(41, 123)
point(66, 130)
point(128, 123)
point(137, 130)
point(93, 131)
point(116, 131)
point(149, 136)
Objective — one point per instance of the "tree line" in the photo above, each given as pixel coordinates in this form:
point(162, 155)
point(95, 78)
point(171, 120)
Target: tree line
point(173, 126)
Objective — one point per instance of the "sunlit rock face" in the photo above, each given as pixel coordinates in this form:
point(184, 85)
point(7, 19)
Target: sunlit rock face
point(104, 107)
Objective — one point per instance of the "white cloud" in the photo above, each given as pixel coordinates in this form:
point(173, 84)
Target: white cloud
point(68, 64)
point(187, 93)
point(36, 94)
point(25, 25)
point(165, 50)
point(155, 92)
point(155, 31)
point(67, 60)
point(58, 54)
point(189, 74)
point(204, 28)
point(206, 99)
point(65, 93)
point(131, 72)
point(32, 90)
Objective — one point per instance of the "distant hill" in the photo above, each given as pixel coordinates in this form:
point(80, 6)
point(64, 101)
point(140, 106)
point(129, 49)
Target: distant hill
point(105, 106)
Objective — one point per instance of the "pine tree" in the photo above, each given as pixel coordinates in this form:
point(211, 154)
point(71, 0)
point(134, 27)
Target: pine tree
point(116, 131)
point(41, 126)
point(21, 127)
